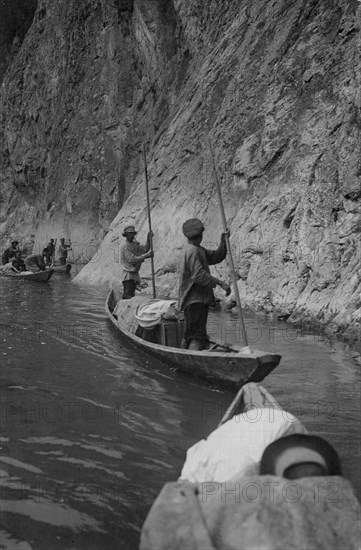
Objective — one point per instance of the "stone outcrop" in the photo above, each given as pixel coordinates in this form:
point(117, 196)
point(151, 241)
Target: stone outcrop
point(275, 84)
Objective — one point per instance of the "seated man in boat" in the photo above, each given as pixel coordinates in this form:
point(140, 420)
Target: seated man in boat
point(63, 251)
point(10, 252)
point(196, 283)
point(133, 255)
point(18, 263)
point(37, 261)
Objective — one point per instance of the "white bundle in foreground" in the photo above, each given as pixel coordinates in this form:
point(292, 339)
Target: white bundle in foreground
point(236, 447)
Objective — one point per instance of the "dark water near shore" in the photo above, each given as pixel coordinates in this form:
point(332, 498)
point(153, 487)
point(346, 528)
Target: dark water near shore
point(90, 431)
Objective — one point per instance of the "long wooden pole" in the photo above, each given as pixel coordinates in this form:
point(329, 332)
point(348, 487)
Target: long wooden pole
point(72, 252)
point(149, 221)
point(229, 252)
point(54, 253)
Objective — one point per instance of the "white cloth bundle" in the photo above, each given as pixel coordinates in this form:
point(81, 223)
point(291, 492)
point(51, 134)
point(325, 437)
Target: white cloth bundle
point(149, 315)
point(238, 445)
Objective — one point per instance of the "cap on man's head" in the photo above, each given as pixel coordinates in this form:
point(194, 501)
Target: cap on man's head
point(129, 229)
point(14, 242)
point(297, 455)
point(193, 228)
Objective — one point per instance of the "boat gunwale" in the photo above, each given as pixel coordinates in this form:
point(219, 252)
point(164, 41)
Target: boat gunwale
point(30, 276)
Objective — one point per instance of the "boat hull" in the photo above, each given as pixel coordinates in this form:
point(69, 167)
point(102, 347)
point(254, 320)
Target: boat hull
point(62, 268)
point(40, 276)
point(226, 369)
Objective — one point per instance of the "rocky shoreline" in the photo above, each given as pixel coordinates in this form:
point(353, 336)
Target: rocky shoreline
point(344, 326)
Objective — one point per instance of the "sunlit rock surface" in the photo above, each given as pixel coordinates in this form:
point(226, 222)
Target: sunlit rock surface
point(276, 85)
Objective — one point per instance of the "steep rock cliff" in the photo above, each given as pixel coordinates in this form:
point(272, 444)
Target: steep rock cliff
point(75, 103)
point(275, 84)
point(15, 19)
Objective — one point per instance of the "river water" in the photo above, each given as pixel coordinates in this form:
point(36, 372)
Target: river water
point(90, 431)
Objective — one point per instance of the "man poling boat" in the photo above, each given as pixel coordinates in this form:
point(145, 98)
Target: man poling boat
point(196, 283)
point(63, 251)
point(243, 332)
point(51, 247)
point(61, 265)
point(133, 255)
point(168, 337)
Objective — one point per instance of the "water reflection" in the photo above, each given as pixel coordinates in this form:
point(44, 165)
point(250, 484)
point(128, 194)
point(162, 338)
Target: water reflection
point(91, 430)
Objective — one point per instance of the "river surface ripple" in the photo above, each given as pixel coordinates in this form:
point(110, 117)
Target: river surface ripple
point(91, 430)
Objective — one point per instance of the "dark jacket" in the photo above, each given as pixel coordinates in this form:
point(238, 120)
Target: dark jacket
point(19, 264)
point(51, 247)
point(196, 283)
point(8, 254)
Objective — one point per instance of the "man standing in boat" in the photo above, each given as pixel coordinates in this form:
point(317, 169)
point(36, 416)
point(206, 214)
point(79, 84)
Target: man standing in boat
point(196, 283)
point(51, 247)
point(63, 251)
point(133, 255)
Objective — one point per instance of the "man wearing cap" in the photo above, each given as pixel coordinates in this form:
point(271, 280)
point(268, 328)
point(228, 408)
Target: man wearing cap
point(10, 252)
point(196, 283)
point(300, 455)
point(51, 247)
point(63, 251)
point(133, 255)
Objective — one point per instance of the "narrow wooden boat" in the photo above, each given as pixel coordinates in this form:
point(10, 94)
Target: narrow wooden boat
point(177, 503)
point(243, 513)
point(39, 276)
point(225, 368)
point(62, 268)
point(249, 396)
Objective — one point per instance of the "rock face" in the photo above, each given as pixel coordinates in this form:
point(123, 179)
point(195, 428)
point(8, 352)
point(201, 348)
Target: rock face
point(276, 85)
point(16, 18)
